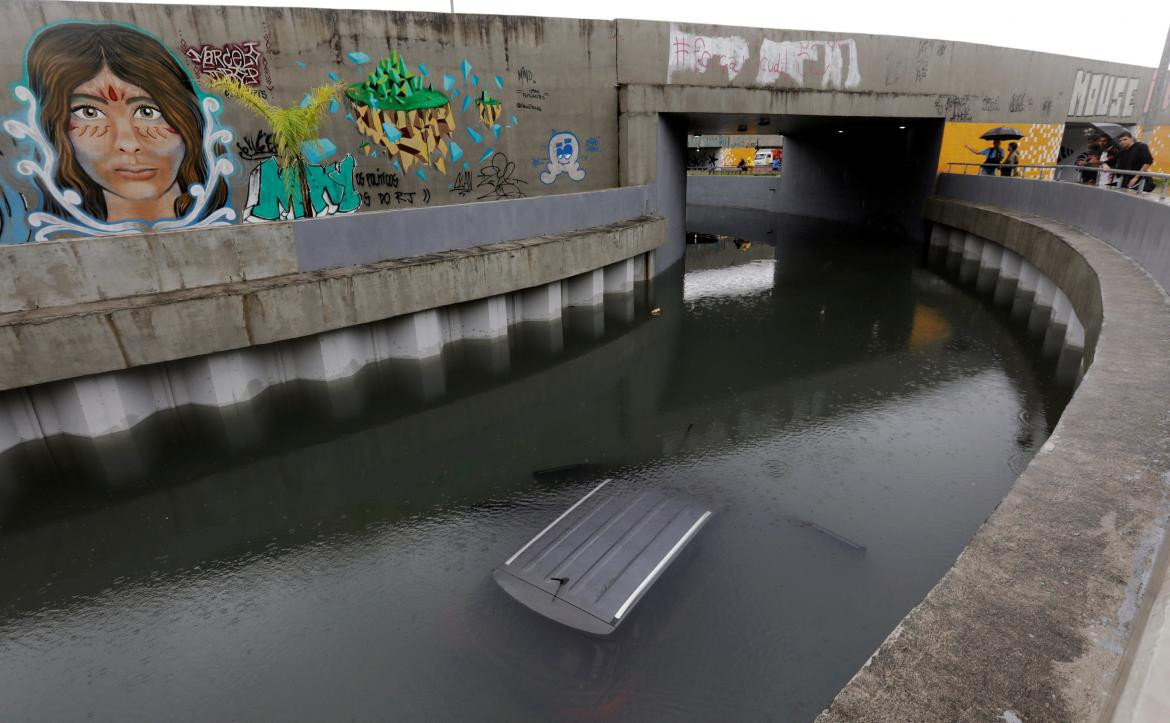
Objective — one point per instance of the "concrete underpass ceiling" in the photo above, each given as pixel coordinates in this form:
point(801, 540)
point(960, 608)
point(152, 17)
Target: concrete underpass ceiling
point(733, 123)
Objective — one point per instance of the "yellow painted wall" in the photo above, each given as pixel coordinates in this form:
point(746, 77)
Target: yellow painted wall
point(1040, 144)
point(1160, 148)
point(732, 156)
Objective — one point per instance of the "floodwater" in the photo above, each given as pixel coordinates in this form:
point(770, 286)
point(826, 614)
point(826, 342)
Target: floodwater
point(326, 552)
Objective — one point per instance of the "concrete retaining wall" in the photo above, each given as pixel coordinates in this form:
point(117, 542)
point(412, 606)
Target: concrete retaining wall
point(119, 365)
point(78, 271)
point(1136, 226)
point(758, 193)
point(60, 342)
point(1034, 619)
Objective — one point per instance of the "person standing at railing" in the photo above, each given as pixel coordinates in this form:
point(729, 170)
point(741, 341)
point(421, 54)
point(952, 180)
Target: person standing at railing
point(993, 157)
point(1105, 163)
point(1090, 157)
point(1134, 156)
point(1011, 161)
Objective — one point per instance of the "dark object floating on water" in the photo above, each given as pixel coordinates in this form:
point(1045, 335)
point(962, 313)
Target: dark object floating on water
point(567, 471)
point(855, 546)
point(592, 564)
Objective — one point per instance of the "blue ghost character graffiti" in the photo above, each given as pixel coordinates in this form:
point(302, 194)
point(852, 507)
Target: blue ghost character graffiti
point(563, 151)
point(122, 138)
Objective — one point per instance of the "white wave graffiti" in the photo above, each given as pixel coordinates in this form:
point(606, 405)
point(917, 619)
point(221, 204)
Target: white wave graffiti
point(47, 225)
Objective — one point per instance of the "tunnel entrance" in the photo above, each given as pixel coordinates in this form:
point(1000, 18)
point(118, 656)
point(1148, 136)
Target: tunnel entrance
point(872, 172)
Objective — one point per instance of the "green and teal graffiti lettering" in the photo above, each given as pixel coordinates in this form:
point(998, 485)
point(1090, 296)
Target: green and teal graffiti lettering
point(329, 191)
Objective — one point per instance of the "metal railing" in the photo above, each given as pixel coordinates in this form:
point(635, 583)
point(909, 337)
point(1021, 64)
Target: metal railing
point(1120, 181)
point(731, 171)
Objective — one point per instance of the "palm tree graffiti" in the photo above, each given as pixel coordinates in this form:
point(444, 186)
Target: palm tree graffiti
point(309, 189)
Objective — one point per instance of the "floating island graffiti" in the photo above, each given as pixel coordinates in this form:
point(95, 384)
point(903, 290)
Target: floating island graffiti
point(414, 123)
point(396, 112)
point(489, 109)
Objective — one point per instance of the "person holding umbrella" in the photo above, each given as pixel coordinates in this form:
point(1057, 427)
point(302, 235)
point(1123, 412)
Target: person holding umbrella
point(994, 155)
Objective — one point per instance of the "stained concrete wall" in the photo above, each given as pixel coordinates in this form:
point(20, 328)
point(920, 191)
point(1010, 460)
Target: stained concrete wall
point(283, 53)
point(366, 238)
point(878, 177)
point(79, 271)
point(61, 342)
point(868, 75)
point(1033, 620)
point(759, 193)
point(671, 189)
point(1136, 226)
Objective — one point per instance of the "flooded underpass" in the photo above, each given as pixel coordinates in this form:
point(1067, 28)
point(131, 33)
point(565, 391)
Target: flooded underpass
point(849, 416)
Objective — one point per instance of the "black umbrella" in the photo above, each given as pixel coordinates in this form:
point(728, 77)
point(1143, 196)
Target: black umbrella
point(1002, 133)
point(1113, 130)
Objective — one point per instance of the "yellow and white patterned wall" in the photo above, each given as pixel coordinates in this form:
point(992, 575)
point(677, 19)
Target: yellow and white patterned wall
point(731, 157)
point(1159, 142)
point(1040, 144)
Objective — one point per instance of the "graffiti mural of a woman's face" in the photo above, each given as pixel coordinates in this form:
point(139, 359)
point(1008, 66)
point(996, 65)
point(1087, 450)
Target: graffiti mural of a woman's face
point(124, 118)
point(123, 142)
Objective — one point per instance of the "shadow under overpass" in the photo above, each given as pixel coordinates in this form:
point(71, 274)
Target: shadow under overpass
point(864, 171)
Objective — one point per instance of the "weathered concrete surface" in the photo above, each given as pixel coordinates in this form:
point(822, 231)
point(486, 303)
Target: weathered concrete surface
point(1060, 261)
point(826, 180)
point(1145, 697)
point(51, 343)
point(1137, 226)
point(864, 75)
point(299, 47)
point(1035, 615)
point(759, 193)
point(77, 271)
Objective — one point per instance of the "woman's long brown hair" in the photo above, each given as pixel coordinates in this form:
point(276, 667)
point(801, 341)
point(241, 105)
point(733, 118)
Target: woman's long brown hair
point(64, 56)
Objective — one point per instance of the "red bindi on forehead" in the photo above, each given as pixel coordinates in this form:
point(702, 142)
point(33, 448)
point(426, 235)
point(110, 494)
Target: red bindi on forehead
point(110, 87)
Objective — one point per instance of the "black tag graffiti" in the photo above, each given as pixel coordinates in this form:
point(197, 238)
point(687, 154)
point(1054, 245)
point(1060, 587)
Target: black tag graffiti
point(497, 178)
point(462, 184)
point(258, 148)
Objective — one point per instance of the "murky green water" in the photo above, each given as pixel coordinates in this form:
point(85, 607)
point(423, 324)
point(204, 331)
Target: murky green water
point(326, 553)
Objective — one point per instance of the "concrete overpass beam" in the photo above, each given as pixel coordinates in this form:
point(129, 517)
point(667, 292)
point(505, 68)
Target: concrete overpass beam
point(586, 289)
point(411, 336)
point(990, 260)
point(343, 351)
point(972, 253)
point(1025, 290)
point(484, 318)
point(940, 239)
point(619, 277)
point(230, 377)
point(1041, 313)
point(542, 303)
point(954, 256)
point(1054, 335)
point(1009, 277)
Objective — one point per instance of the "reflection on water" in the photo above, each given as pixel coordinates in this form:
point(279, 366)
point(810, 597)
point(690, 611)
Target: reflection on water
point(326, 553)
point(745, 280)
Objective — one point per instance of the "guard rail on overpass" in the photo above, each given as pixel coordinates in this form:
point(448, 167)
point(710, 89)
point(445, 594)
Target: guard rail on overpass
point(1124, 182)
